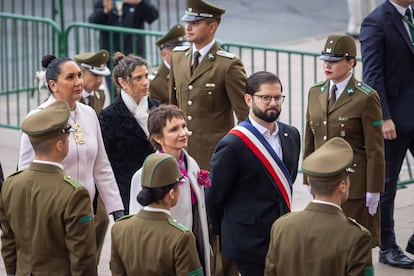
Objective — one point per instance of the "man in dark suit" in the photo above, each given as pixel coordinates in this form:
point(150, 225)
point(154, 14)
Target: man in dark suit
point(94, 69)
point(297, 239)
point(208, 87)
point(387, 36)
point(253, 168)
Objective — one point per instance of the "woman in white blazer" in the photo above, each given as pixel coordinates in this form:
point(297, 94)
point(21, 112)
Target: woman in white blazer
point(168, 133)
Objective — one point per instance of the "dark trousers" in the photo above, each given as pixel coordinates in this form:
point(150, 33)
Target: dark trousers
point(395, 151)
point(250, 269)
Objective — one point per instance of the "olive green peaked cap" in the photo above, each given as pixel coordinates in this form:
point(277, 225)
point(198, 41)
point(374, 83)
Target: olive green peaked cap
point(331, 159)
point(337, 47)
point(94, 62)
point(174, 37)
point(48, 123)
point(160, 170)
point(199, 9)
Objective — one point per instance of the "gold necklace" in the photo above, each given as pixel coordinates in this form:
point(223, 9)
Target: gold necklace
point(79, 138)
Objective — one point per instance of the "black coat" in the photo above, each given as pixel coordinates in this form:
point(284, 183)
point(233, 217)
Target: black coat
point(125, 142)
point(243, 201)
point(133, 16)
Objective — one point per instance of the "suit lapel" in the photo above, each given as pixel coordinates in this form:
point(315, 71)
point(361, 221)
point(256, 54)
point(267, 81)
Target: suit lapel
point(396, 18)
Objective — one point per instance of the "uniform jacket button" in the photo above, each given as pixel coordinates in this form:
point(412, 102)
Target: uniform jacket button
point(189, 117)
point(190, 102)
point(190, 133)
point(190, 87)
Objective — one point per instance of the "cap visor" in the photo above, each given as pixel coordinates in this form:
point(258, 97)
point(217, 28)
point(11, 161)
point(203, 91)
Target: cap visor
point(100, 71)
point(330, 58)
point(191, 18)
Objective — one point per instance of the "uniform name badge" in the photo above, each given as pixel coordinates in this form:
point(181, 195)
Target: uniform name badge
point(79, 139)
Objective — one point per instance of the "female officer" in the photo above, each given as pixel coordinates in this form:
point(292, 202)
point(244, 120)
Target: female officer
point(160, 245)
point(342, 106)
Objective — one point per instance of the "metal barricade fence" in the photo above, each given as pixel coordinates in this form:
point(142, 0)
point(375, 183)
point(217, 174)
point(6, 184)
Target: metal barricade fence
point(64, 12)
point(33, 37)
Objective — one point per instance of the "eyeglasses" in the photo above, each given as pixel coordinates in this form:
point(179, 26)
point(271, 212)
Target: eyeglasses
point(266, 99)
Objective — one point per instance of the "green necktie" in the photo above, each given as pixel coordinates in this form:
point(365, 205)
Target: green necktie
point(408, 14)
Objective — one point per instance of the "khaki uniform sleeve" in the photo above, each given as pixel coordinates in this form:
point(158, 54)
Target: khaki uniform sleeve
point(360, 262)
point(374, 144)
point(80, 234)
point(270, 269)
point(236, 86)
point(8, 242)
point(116, 265)
point(171, 84)
point(187, 262)
point(309, 141)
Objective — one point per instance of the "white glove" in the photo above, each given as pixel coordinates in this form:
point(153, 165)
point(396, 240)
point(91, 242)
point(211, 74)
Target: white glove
point(372, 200)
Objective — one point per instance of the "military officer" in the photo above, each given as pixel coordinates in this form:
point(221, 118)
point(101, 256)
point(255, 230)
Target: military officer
point(206, 82)
point(160, 77)
point(163, 246)
point(342, 106)
point(45, 215)
point(94, 70)
point(307, 242)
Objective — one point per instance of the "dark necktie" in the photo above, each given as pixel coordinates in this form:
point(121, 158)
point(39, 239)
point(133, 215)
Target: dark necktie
point(332, 99)
point(195, 63)
point(90, 99)
point(408, 14)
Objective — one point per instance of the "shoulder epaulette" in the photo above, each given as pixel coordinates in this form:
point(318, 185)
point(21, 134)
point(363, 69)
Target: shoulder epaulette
point(364, 87)
point(16, 173)
point(181, 48)
point(225, 54)
point(125, 217)
point(358, 224)
point(318, 84)
point(178, 225)
point(72, 181)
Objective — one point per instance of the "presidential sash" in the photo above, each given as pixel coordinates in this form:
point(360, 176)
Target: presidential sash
point(267, 156)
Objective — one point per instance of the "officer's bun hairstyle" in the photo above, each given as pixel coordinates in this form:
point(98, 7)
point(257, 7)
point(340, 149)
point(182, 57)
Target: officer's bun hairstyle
point(52, 66)
point(150, 195)
point(125, 65)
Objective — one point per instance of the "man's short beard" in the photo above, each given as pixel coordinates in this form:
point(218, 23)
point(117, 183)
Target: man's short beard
point(264, 116)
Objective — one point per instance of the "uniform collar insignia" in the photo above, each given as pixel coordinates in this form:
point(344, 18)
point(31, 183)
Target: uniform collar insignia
point(350, 91)
point(211, 56)
point(323, 88)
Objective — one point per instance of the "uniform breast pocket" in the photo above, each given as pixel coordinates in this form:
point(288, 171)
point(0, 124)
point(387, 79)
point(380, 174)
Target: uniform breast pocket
point(343, 127)
point(209, 100)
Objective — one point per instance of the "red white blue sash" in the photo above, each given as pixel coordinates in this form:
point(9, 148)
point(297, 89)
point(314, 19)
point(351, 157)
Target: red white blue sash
point(265, 153)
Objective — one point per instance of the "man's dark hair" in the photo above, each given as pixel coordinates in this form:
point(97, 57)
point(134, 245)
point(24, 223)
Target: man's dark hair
point(255, 80)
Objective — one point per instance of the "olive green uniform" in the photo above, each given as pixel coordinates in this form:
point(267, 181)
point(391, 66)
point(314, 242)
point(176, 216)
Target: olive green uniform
point(318, 241)
point(159, 84)
point(356, 116)
point(208, 97)
point(152, 243)
point(98, 101)
point(47, 224)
